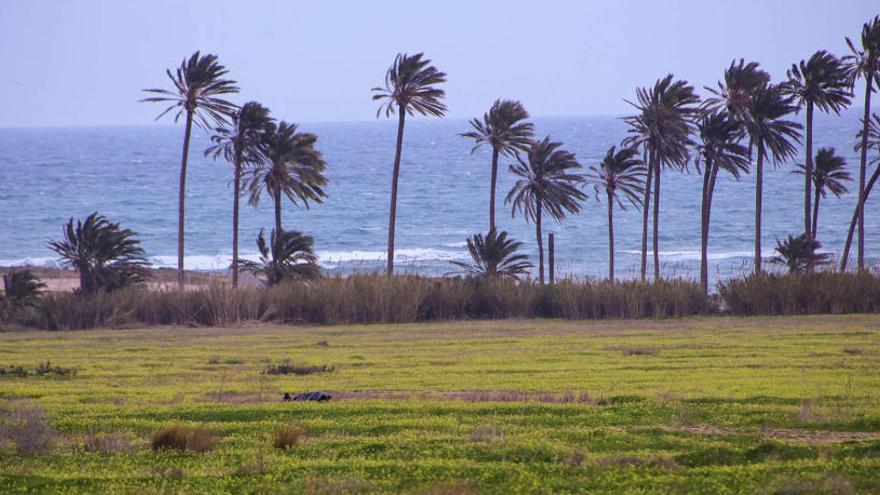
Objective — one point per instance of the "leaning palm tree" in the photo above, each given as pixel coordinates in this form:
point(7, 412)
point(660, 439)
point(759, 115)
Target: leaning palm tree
point(410, 88)
point(873, 142)
point(290, 166)
point(662, 128)
point(719, 149)
point(733, 94)
point(799, 254)
point(821, 82)
point(828, 175)
point(106, 256)
point(288, 256)
point(546, 184)
point(198, 94)
point(239, 144)
point(494, 256)
point(864, 62)
point(506, 130)
point(621, 174)
point(769, 135)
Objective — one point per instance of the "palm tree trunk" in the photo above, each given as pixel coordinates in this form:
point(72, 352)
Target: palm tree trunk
point(237, 194)
point(759, 192)
point(392, 213)
point(656, 225)
point(646, 208)
point(277, 198)
point(610, 236)
point(704, 234)
point(852, 224)
point(815, 214)
point(492, 188)
point(863, 165)
point(808, 172)
point(181, 199)
point(538, 233)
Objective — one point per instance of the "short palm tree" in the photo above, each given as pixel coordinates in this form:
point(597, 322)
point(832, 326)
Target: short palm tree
point(662, 127)
point(770, 134)
point(290, 166)
point(199, 89)
point(506, 130)
point(288, 256)
point(411, 86)
point(799, 254)
point(719, 149)
point(864, 62)
point(239, 144)
point(821, 82)
point(828, 175)
point(494, 256)
point(733, 94)
point(21, 289)
point(873, 142)
point(106, 256)
point(547, 184)
point(621, 175)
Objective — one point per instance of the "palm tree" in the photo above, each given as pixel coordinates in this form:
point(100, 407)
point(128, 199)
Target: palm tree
point(821, 82)
point(291, 166)
point(719, 149)
point(662, 127)
point(494, 256)
point(864, 63)
point(410, 87)
point(770, 135)
point(198, 90)
point(828, 175)
point(21, 289)
point(239, 144)
point(505, 129)
point(873, 142)
point(546, 184)
point(621, 174)
point(289, 256)
point(741, 80)
point(106, 256)
point(799, 254)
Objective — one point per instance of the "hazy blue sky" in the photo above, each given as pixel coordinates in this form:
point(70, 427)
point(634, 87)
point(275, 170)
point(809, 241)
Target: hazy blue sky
point(85, 62)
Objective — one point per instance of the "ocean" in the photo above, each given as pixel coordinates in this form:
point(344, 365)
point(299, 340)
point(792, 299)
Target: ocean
point(130, 174)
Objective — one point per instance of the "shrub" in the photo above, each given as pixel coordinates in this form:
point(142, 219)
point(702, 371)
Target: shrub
point(286, 368)
point(106, 442)
point(27, 427)
point(804, 293)
point(183, 438)
point(288, 436)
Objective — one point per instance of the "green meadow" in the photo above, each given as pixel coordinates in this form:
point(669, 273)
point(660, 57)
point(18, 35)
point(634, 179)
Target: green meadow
point(696, 405)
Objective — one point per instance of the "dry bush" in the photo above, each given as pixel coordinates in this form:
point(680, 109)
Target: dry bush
point(26, 426)
point(285, 368)
point(623, 461)
point(829, 483)
point(336, 485)
point(183, 438)
point(106, 442)
point(574, 458)
point(288, 436)
point(818, 292)
point(453, 488)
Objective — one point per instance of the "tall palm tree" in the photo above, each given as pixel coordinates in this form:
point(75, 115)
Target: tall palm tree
point(494, 256)
point(506, 130)
point(821, 82)
point(733, 94)
point(410, 88)
point(873, 142)
point(547, 184)
point(663, 128)
point(828, 175)
point(288, 256)
point(719, 149)
point(864, 63)
point(290, 166)
point(769, 135)
point(199, 88)
point(239, 144)
point(621, 174)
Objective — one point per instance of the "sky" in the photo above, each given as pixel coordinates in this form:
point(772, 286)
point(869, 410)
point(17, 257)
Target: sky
point(85, 62)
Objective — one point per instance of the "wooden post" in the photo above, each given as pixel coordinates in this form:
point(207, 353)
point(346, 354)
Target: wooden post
point(550, 247)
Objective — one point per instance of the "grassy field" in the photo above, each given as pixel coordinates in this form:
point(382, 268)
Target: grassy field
point(700, 405)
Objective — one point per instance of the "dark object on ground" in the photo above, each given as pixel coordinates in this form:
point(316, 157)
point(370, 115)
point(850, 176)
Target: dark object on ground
point(308, 396)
